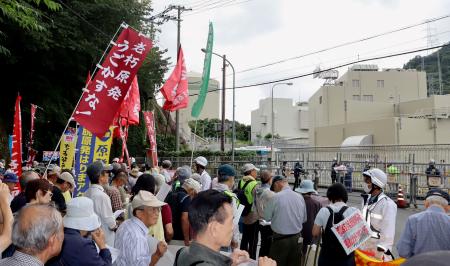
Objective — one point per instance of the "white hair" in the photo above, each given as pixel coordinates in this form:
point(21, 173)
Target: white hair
point(33, 233)
point(191, 183)
point(437, 200)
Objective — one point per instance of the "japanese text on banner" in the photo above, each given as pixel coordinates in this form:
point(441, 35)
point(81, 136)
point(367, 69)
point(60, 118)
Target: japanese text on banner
point(150, 124)
point(104, 95)
point(89, 149)
point(67, 149)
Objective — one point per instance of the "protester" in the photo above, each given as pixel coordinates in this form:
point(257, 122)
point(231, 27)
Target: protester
point(250, 220)
point(287, 213)
point(284, 169)
point(225, 184)
point(263, 195)
point(165, 165)
point(332, 252)
point(200, 166)
point(133, 233)
point(119, 181)
point(312, 208)
point(114, 195)
point(434, 258)
point(333, 172)
point(20, 200)
point(380, 213)
point(37, 234)
point(63, 183)
point(38, 191)
point(211, 218)
point(98, 176)
point(166, 212)
point(182, 173)
point(133, 176)
point(6, 218)
point(429, 230)
point(81, 223)
point(148, 183)
point(11, 180)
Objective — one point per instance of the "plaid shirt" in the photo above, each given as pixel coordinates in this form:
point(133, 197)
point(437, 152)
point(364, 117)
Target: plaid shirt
point(114, 194)
point(21, 259)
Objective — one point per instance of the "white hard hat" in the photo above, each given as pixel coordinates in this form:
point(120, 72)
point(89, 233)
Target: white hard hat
point(377, 177)
point(200, 160)
point(432, 161)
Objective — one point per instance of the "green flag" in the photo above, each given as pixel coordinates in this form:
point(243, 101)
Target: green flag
point(198, 105)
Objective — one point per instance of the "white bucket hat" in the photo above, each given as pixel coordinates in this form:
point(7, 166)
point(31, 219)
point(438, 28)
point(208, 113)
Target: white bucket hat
point(80, 215)
point(200, 160)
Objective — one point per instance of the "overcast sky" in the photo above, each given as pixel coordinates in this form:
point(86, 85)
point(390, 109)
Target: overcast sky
point(256, 32)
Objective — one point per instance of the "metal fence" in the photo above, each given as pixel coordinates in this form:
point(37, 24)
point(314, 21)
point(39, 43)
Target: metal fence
point(411, 161)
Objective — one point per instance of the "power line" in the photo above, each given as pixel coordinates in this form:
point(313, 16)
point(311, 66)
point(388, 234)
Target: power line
point(344, 44)
point(331, 68)
point(225, 4)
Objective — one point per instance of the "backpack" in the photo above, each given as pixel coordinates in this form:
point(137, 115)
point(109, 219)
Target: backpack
point(240, 194)
point(330, 244)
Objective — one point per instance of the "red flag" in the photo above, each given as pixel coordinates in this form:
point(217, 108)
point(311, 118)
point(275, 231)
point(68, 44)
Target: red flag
point(30, 155)
point(175, 90)
point(104, 95)
point(150, 124)
point(131, 105)
point(16, 155)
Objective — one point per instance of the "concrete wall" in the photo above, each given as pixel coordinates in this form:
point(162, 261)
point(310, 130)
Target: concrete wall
point(290, 121)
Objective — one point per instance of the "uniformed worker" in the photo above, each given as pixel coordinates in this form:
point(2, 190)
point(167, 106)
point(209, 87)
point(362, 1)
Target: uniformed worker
point(225, 183)
point(380, 213)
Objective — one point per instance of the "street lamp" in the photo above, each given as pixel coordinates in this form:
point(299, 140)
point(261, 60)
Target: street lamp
point(233, 138)
point(273, 119)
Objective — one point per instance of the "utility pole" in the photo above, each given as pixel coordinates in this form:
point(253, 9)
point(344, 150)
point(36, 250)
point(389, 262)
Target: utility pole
point(441, 90)
point(222, 129)
point(164, 17)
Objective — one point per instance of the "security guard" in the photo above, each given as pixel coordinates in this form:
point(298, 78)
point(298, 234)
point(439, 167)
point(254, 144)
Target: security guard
point(380, 212)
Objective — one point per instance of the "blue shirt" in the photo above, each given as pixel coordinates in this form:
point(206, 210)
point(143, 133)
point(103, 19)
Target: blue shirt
point(131, 240)
point(286, 211)
point(424, 232)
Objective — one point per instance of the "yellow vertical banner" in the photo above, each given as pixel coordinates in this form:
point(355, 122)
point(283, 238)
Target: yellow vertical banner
point(102, 147)
point(67, 149)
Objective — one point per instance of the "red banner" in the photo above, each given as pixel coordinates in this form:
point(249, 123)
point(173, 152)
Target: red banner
point(16, 155)
point(104, 95)
point(30, 144)
point(131, 105)
point(150, 124)
point(175, 90)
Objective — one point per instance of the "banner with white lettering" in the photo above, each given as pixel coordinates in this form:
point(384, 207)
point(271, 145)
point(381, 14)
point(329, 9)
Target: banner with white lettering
point(103, 96)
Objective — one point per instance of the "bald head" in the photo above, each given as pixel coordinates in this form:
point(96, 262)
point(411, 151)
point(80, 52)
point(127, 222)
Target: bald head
point(38, 228)
point(26, 177)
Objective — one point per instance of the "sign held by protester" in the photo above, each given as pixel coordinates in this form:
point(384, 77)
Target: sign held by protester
point(50, 155)
point(67, 149)
point(104, 95)
point(150, 124)
point(352, 232)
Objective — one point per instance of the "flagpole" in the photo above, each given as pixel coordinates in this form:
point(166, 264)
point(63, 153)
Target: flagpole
point(123, 25)
point(193, 146)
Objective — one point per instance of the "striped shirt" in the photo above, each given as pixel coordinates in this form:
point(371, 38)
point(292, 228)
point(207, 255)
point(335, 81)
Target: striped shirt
point(131, 240)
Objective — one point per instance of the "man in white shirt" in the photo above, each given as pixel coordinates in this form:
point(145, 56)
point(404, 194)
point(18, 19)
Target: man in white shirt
point(98, 175)
point(200, 166)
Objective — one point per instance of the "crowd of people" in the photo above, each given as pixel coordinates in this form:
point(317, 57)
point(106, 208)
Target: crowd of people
point(130, 216)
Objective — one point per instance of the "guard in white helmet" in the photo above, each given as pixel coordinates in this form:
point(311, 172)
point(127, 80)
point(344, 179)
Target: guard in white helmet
point(380, 213)
point(200, 168)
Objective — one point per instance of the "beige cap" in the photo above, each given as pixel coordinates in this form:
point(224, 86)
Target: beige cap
point(66, 176)
point(145, 198)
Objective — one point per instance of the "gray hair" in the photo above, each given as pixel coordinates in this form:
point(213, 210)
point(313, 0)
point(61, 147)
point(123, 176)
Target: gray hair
point(159, 181)
point(192, 184)
point(33, 227)
point(183, 173)
point(26, 177)
point(437, 200)
point(166, 164)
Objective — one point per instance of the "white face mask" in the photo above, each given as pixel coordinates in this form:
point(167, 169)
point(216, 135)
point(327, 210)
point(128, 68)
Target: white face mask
point(366, 188)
